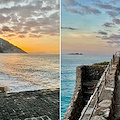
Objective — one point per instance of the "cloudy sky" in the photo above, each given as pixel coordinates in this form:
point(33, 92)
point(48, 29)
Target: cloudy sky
point(91, 26)
point(32, 25)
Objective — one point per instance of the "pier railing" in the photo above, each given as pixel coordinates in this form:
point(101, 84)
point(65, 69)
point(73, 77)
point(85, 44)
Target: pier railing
point(97, 92)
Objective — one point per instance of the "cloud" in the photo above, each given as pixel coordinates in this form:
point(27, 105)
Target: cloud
point(105, 6)
point(35, 36)
point(84, 10)
point(4, 18)
point(22, 36)
point(6, 28)
point(109, 7)
point(11, 35)
point(112, 37)
point(114, 43)
point(69, 28)
point(112, 10)
point(90, 10)
point(24, 16)
point(108, 24)
point(73, 11)
point(79, 8)
point(81, 35)
point(113, 1)
point(112, 13)
point(70, 3)
point(102, 32)
point(117, 21)
point(54, 16)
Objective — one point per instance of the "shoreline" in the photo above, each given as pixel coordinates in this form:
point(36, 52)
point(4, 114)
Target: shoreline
point(6, 89)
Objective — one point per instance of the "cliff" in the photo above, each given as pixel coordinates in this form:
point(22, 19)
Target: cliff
point(6, 47)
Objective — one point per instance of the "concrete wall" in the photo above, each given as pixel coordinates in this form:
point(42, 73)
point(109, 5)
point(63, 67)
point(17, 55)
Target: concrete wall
point(84, 74)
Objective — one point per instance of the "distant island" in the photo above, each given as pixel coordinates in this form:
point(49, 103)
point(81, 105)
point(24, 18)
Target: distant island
point(6, 47)
point(75, 54)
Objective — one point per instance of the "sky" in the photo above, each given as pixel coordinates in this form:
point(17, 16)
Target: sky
point(32, 25)
point(90, 26)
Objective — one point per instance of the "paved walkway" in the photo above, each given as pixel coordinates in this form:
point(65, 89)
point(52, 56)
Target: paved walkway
point(102, 110)
point(31, 105)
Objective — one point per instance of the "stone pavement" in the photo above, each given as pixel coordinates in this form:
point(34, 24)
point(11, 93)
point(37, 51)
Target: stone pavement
point(30, 105)
point(102, 111)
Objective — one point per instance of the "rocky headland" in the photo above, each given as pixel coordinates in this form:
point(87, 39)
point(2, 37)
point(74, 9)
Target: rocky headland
point(6, 47)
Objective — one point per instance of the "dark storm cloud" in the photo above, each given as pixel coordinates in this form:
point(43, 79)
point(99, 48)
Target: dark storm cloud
point(69, 28)
point(23, 16)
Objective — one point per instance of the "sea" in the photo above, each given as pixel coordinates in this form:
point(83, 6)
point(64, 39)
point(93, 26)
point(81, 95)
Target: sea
point(68, 74)
point(29, 72)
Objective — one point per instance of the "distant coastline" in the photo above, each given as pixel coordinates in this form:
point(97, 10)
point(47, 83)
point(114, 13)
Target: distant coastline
point(75, 53)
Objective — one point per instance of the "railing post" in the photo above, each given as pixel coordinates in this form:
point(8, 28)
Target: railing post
point(109, 69)
point(111, 62)
point(105, 77)
point(98, 96)
point(113, 58)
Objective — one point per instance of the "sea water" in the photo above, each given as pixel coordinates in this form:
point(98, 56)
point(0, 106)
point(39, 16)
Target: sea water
point(68, 74)
point(26, 72)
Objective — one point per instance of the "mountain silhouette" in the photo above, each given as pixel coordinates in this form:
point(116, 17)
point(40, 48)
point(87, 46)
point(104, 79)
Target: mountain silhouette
point(6, 47)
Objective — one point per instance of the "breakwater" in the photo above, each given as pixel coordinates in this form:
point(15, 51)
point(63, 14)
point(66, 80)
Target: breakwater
point(30, 105)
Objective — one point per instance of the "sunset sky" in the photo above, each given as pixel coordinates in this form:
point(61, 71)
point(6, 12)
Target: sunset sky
point(91, 26)
point(32, 25)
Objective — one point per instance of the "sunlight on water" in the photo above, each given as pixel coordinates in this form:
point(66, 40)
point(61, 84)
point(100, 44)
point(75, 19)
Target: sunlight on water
point(22, 72)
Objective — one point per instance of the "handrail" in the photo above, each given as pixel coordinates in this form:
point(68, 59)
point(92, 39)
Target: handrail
point(101, 80)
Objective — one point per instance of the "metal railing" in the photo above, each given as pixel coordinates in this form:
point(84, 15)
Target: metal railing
point(97, 92)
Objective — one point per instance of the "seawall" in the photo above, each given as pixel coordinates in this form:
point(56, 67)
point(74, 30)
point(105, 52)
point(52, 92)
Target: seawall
point(97, 93)
point(86, 79)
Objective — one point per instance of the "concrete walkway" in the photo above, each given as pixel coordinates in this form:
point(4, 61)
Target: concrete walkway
point(31, 105)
